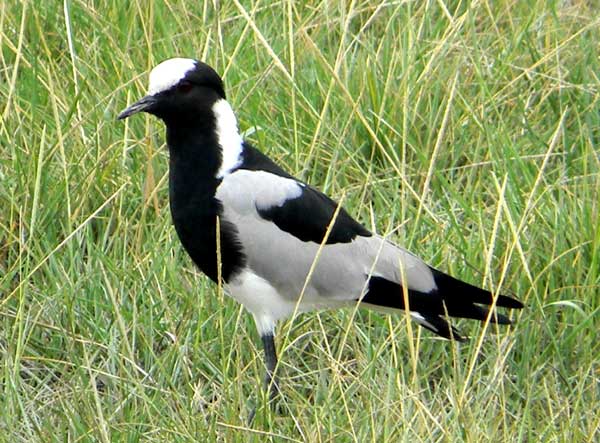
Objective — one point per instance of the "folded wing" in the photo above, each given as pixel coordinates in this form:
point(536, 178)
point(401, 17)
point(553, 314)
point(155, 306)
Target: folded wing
point(282, 226)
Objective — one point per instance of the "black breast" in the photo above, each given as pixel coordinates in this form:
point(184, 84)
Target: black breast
point(194, 208)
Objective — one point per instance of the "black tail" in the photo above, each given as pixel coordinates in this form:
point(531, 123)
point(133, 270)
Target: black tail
point(452, 298)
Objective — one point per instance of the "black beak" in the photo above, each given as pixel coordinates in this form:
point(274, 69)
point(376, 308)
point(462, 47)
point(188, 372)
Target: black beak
point(144, 105)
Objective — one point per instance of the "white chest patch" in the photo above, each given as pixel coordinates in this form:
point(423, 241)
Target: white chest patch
point(229, 138)
point(168, 73)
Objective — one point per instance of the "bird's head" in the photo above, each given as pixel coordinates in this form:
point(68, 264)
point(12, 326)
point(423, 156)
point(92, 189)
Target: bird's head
point(180, 89)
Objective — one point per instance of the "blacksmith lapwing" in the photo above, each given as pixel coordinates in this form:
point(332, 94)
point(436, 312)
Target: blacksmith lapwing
point(271, 232)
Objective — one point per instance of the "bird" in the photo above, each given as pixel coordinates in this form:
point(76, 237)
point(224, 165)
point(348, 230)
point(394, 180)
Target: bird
point(277, 244)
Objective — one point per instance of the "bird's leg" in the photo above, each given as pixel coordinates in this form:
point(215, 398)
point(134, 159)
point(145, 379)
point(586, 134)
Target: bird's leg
point(271, 383)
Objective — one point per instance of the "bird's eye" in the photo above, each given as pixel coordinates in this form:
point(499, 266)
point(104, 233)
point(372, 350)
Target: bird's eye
point(184, 87)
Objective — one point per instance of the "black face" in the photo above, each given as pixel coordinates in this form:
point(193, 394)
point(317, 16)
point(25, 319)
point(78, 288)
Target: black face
point(184, 102)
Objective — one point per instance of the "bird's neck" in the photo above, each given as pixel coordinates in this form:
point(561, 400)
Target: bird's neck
point(207, 147)
point(201, 154)
point(194, 159)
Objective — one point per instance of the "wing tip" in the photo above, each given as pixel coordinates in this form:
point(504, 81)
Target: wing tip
point(448, 284)
point(506, 301)
point(438, 325)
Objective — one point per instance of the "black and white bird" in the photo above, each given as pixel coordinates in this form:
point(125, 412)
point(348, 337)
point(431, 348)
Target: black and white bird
point(276, 247)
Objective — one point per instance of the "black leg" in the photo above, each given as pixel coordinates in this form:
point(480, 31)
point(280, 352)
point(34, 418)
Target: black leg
point(271, 383)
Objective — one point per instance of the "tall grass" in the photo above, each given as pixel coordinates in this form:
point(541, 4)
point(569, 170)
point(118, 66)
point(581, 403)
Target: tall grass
point(468, 131)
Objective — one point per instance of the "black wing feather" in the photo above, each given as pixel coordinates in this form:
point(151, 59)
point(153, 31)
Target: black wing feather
point(308, 216)
point(452, 298)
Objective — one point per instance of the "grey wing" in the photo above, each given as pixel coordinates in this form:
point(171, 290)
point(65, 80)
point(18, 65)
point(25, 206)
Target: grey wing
point(339, 272)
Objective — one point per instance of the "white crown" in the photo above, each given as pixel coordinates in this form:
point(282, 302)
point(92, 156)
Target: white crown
point(168, 73)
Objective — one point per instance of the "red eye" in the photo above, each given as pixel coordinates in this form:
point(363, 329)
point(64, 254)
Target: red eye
point(185, 87)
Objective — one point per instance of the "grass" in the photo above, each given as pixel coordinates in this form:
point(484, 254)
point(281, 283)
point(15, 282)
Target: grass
point(468, 130)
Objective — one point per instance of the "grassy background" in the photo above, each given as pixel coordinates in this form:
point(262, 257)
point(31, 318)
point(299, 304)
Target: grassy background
point(470, 130)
